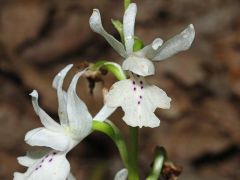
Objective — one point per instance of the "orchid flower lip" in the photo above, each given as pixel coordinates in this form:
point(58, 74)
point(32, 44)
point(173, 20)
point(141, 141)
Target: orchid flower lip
point(138, 100)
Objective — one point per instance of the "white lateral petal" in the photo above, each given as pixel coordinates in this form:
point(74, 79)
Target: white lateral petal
point(139, 65)
point(62, 102)
point(96, 25)
point(128, 27)
point(104, 113)
point(26, 161)
point(46, 120)
point(178, 43)
point(121, 175)
point(58, 77)
point(80, 120)
point(156, 43)
point(47, 138)
point(151, 50)
point(33, 156)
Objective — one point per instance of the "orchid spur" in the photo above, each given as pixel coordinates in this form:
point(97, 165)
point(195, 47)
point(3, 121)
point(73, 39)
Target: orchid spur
point(75, 125)
point(136, 96)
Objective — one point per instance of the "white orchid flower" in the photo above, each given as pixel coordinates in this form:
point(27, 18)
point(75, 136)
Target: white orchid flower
point(140, 62)
point(136, 96)
point(75, 125)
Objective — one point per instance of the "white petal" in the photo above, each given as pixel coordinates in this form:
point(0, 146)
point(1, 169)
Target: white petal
point(46, 120)
point(151, 50)
point(104, 113)
point(128, 27)
point(80, 120)
point(178, 43)
point(47, 138)
point(33, 156)
point(121, 175)
point(138, 100)
point(116, 94)
point(158, 97)
point(53, 166)
point(62, 102)
point(156, 43)
point(139, 65)
point(96, 25)
point(19, 176)
point(26, 161)
point(59, 76)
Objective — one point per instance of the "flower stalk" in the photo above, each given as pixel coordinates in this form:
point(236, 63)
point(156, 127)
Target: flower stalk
point(133, 154)
point(109, 129)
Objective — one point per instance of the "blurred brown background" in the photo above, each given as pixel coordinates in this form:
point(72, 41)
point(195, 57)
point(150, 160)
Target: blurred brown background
point(201, 131)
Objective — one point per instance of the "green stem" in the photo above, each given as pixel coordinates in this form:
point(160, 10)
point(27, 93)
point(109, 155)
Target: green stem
point(112, 67)
point(133, 154)
point(112, 131)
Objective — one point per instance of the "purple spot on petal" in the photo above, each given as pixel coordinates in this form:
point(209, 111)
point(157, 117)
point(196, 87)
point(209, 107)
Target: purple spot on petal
point(141, 87)
point(42, 161)
point(134, 89)
point(50, 160)
point(133, 82)
point(36, 169)
point(140, 97)
point(138, 102)
point(54, 153)
point(138, 76)
point(46, 156)
point(141, 82)
point(40, 166)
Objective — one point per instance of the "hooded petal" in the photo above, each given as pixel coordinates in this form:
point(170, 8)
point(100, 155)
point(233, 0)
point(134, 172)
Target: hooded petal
point(80, 120)
point(139, 65)
point(121, 175)
point(46, 120)
point(178, 43)
point(96, 25)
point(53, 165)
point(128, 27)
point(47, 138)
point(138, 100)
point(62, 101)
